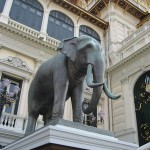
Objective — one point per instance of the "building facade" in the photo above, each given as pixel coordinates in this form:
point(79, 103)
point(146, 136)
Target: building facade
point(30, 31)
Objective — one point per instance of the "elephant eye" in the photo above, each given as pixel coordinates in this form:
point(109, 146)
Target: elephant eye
point(89, 46)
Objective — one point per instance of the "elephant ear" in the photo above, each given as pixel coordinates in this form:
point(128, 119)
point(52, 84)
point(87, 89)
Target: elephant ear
point(69, 48)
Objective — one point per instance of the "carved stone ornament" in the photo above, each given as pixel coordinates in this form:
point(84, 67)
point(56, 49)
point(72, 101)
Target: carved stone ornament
point(16, 62)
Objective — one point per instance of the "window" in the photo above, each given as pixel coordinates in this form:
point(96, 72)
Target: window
point(27, 12)
point(14, 106)
point(84, 30)
point(60, 26)
point(2, 3)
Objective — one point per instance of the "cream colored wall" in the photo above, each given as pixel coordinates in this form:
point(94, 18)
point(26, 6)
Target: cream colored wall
point(122, 24)
point(6, 53)
point(123, 80)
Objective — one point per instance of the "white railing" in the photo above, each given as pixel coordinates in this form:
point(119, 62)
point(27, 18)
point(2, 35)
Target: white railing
point(52, 41)
point(13, 122)
point(134, 35)
point(134, 42)
point(23, 28)
point(8, 120)
point(16, 123)
point(31, 32)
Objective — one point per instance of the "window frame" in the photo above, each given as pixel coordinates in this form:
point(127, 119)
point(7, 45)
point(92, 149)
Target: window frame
point(63, 30)
point(27, 14)
point(82, 32)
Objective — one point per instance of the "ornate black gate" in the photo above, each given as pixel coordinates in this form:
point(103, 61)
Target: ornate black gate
point(142, 107)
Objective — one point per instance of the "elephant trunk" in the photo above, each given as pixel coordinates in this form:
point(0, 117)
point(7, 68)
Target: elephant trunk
point(89, 77)
point(98, 76)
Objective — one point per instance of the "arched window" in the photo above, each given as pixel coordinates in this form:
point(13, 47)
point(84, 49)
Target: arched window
point(2, 3)
point(13, 108)
point(60, 26)
point(27, 12)
point(142, 107)
point(84, 30)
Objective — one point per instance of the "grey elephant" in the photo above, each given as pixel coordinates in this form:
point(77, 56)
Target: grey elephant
point(62, 77)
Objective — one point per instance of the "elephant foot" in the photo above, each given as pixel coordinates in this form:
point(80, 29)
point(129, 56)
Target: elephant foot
point(78, 119)
point(57, 116)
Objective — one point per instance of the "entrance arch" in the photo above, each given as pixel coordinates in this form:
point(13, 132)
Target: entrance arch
point(142, 107)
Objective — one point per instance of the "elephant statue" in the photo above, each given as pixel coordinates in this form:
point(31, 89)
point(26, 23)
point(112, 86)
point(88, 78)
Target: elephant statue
point(63, 77)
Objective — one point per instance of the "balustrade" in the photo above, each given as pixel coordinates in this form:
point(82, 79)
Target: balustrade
point(134, 42)
point(134, 35)
point(16, 123)
point(8, 120)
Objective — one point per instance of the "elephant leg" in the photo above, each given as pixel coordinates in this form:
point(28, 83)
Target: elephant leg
point(77, 99)
point(31, 123)
point(60, 91)
point(47, 119)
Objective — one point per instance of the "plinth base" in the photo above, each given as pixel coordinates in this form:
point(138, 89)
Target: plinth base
point(62, 136)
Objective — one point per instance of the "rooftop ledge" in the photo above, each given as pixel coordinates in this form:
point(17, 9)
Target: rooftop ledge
point(82, 13)
point(30, 33)
point(130, 6)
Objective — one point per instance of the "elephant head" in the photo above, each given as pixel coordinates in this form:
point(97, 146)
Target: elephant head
point(87, 55)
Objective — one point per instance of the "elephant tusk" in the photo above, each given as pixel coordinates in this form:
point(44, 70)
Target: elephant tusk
point(108, 93)
point(89, 77)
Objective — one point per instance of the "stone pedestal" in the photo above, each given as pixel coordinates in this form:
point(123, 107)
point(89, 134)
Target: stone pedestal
point(66, 135)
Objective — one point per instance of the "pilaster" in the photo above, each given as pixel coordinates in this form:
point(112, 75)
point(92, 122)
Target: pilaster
point(43, 32)
point(128, 103)
point(0, 74)
point(76, 30)
point(22, 109)
point(5, 14)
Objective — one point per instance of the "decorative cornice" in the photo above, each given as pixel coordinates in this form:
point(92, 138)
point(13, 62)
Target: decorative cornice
point(129, 58)
point(32, 38)
point(25, 43)
point(127, 5)
point(82, 13)
point(144, 20)
point(16, 62)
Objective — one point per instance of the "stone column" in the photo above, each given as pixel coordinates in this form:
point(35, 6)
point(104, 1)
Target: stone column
point(106, 122)
point(68, 110)
point(76, 30)
point(22, 107)
point(6, 10)
point(129, 109)
point(0, 74)
point(44, 25)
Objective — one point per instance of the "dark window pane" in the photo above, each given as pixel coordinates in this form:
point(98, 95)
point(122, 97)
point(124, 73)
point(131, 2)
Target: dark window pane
point(60, 26)
point(2, 3)
point(84, 30)
point(26, 12)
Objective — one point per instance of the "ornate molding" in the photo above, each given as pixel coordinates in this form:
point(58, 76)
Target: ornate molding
point(16, 62)
point(129, 58)
point(29, 34)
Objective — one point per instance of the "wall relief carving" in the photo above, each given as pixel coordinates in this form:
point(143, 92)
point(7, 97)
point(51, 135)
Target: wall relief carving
point(16, 62)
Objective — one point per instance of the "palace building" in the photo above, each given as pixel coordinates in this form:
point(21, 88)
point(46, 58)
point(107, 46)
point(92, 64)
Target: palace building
point(31, 30)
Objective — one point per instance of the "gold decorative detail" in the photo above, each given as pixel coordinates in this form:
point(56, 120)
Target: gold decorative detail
point(139, 108)
point(145, 134)
point(147, 82)
point(144, 3)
